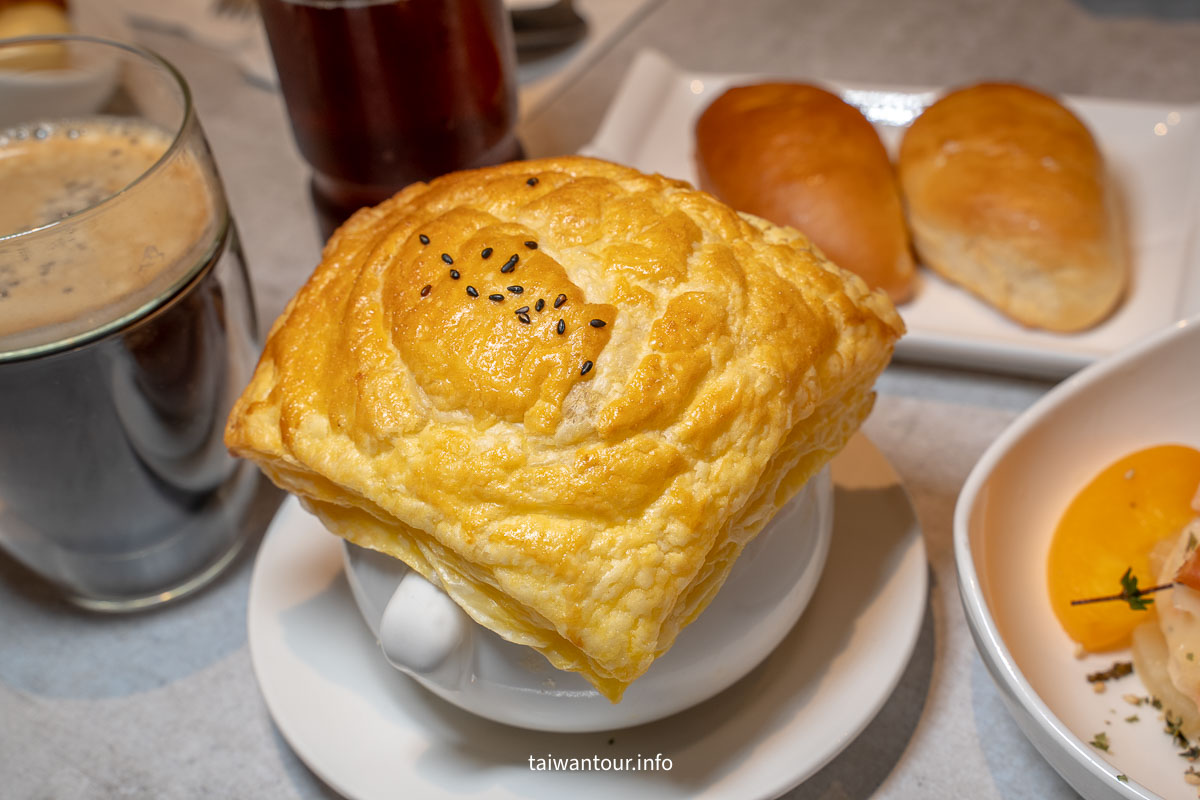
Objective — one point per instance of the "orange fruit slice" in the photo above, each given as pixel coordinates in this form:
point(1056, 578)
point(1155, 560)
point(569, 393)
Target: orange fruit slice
point(1109, 527)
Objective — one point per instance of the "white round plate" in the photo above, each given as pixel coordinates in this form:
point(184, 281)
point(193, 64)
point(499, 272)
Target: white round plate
point(370, 732)
point(1006, 515)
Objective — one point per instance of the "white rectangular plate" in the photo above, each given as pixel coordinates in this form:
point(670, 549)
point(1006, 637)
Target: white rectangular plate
point(1152, 150)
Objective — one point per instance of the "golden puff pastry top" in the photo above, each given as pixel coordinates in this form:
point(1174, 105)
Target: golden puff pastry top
point(565, 391)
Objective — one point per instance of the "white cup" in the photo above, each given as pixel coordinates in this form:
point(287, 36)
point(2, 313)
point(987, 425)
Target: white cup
point(425, 635)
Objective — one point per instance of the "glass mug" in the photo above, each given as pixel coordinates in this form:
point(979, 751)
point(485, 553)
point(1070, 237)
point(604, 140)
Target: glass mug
point(383, 93)
point(127, 327)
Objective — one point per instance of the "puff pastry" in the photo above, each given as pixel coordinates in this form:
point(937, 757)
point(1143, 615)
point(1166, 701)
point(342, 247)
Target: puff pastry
point(566, 392)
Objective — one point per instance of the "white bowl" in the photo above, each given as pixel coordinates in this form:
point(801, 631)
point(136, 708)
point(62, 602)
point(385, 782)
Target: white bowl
point(426, 636)
point(79, 88)
point(1007, 511)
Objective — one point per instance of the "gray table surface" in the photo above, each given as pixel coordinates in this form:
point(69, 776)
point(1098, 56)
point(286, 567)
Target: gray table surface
point(165, 704)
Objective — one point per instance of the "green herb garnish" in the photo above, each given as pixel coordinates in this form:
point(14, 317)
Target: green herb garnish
point(1119, 669)
point(1130, 593)
point(1174, 729)
point(1100, 742)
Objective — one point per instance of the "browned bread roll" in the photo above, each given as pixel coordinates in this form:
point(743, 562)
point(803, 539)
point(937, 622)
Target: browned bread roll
point(567, 393)
point(1007, 195)
point(797, 155)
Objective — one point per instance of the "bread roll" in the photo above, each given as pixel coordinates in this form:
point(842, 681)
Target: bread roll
point(566, 392)
point(1007, 195)
point(35, 18)
point(798, 156)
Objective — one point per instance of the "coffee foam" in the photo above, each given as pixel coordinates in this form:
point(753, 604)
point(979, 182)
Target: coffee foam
point(138, 226)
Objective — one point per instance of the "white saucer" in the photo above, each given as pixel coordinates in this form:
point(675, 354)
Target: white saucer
point(370, 732)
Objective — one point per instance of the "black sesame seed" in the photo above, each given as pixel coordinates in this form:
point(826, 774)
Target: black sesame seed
point(496, 298)
point(510, 265)
point(558, 301)
point(487, 253)
point(586, 368)
point(471, 290)
point(531, 245)
point(424, 239)
point(524, 318)
point(446, 257)
point(522, 310)
point(597, 323)
point(454, 274)
point(516, 289)
point(425, 291)
point(531, 182)
point(561, 327)
point(539, 305)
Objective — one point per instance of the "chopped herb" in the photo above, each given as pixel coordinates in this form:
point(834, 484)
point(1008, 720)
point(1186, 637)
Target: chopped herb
point(1134, 718)
point(1123, 779)
point(1100, 741)
point(1192, 753)
point(1191, 545)
point(1174, 729)
point(1130, 593)
point(1119, 669)
point(1129, 589)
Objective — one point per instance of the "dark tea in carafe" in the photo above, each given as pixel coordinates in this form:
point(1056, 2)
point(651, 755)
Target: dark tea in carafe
point(382, 93)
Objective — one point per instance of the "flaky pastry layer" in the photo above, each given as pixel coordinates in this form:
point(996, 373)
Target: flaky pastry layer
point(566, 392)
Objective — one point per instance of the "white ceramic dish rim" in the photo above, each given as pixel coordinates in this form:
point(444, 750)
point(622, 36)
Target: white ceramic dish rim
point(1001, 664)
